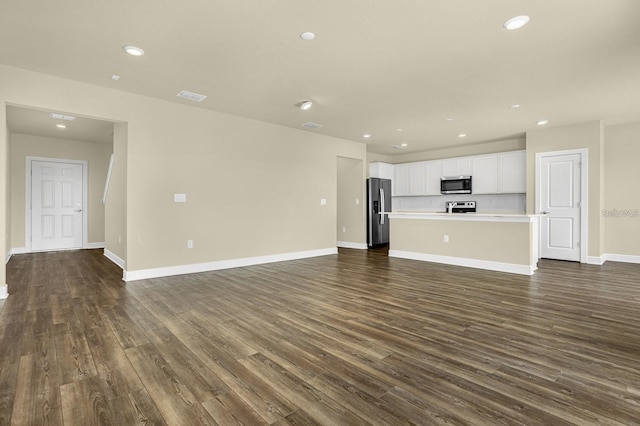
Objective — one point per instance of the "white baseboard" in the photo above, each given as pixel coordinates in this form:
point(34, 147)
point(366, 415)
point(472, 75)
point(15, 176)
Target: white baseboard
point(98, 245)
point(3, 291)
point(596, 260)
point(622, 258)
point(144, 274)
point(471, 263)
point(16, 250)
point(115, 259)
point(347, 244)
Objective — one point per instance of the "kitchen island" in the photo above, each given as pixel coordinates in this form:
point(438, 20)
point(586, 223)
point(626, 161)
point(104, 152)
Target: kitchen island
point(494, 241)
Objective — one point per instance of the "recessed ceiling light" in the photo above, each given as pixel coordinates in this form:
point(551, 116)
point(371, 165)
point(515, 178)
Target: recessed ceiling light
point(514, 106)
point(448, 119)
point(516, 22)
point(305, 105)
point(542, 122)
point(404, 144)
point(61, 126)
point(133, 50)
point(366, 136)
point(462, 135)
point(399, 130)
point(307, 36)
point(115, 77)
point(310, 125)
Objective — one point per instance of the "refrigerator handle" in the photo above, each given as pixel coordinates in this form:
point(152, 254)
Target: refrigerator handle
point(382, 204)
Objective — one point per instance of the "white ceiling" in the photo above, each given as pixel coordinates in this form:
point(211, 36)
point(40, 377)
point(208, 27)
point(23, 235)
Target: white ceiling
point(375, 65)
point(40, 123)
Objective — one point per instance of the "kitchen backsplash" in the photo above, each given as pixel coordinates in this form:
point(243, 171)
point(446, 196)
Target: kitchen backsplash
point(495, 203)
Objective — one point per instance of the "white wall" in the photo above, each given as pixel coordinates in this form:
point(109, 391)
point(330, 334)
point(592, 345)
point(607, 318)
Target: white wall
point(621, 209)
point(253, 188)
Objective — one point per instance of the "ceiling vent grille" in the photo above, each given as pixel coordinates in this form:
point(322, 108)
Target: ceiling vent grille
point(311, 125)
point(57, 116)
point(196, 97)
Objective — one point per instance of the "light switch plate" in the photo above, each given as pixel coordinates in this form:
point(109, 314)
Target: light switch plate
point(180, 198)
point(323, 201)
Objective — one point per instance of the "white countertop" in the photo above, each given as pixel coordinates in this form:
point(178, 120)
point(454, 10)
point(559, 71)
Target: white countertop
point(480, 217)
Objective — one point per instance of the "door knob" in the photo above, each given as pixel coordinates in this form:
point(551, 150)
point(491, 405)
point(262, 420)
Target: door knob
point(544, 212)
point(78, 211)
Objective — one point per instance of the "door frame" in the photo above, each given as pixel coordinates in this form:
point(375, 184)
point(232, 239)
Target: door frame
point(27, 196)
point(584, 194)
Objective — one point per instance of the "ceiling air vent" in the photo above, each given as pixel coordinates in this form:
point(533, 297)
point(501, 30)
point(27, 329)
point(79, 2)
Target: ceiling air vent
point(57, 116)
point(196, 97)
point(311, 125)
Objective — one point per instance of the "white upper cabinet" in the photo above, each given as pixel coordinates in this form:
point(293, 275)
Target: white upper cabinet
point(512, 170)
point(456, 166)
point(485, 174)
point(400, 181)
point(381, 170)
point(433, 173)
point(417, 180)
point(503, 173)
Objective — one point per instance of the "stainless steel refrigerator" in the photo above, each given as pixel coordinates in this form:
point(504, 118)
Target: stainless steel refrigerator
point(378, 203)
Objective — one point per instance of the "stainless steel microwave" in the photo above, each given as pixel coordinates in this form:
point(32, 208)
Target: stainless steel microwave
point(455, 185)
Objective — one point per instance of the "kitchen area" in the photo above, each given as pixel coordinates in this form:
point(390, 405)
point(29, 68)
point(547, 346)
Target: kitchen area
point(466, 211)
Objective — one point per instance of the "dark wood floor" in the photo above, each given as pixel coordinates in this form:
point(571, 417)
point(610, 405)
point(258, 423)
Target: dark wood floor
point(354, 338)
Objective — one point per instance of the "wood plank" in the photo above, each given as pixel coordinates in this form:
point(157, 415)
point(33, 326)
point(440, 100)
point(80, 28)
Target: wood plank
point(84, 402)
point(112, 364)
point(170, 393)
point(74, 358)
point(355, 338)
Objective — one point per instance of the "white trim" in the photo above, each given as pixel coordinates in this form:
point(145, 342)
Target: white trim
point(144, 274)
point(597, 260)
point(106, 183)
point(4, 292)
point(347, 244)
point(114, 258)
point(471, 263)
point(470, 217)
point(627, 258)
point(8, 257)
point(85, 197)
point(97, 245)
point(16, 250)
point(584, 193)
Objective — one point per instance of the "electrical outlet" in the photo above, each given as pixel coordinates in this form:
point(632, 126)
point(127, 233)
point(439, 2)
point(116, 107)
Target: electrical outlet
point(344, 229)
point(445, 239)
point(189, 243)
point(357, 201)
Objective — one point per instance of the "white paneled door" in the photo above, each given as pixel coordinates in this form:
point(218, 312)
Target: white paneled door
point(560, 205)
point(56, 205)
